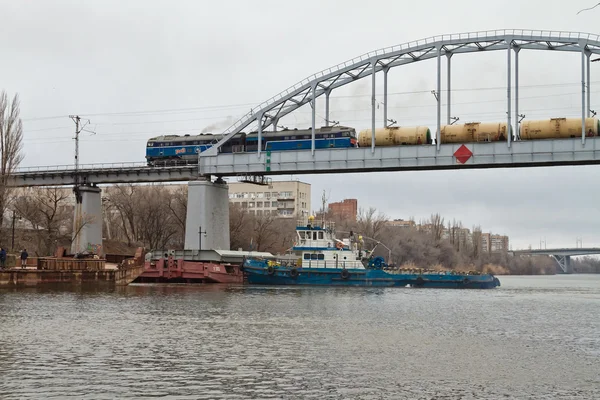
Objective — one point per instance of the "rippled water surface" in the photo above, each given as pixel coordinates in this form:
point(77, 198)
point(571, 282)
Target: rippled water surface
point(534, 338)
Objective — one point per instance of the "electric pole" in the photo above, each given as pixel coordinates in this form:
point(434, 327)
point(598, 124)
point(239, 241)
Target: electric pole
point(78, 128)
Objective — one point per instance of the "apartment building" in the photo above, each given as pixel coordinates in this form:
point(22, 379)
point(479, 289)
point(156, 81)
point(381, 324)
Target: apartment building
point(347, 209)
point(493, 243)
point(284, 199)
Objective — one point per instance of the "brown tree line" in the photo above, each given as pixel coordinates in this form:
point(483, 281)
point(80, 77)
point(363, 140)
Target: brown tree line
point(154, 217)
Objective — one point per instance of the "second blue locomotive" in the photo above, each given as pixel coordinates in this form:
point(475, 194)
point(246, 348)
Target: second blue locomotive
point(175, 148)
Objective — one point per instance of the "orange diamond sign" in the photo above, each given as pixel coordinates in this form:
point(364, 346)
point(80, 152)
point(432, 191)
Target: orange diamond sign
point(462, 154)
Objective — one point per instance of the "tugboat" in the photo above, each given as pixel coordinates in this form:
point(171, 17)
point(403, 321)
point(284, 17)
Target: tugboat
point(320, 259)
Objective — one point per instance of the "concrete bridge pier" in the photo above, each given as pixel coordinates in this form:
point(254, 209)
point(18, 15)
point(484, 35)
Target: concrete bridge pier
point(207, 219)
point(87, 221)
point(564, 263)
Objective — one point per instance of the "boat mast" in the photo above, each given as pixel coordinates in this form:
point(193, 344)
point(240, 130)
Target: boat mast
point(323, 208)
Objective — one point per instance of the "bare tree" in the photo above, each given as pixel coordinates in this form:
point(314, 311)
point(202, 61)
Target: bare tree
point(476, 242)
point(11, 144)
point(437, 226)
point(178, 207)
point(124, 199)
point(265, 232)
point(240, 225)
point(48, 212)
point(155, 223)
point(371, 223)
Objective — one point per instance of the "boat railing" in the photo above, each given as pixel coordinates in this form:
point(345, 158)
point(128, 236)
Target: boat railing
point(326, 225)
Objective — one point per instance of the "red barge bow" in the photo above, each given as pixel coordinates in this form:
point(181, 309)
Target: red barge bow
point(192, 266)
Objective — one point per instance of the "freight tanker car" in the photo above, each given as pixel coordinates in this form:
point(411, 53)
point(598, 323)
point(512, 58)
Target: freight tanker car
point(558, 128)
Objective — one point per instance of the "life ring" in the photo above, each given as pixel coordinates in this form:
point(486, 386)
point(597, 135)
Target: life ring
point(345, 274)
point(294, 273)
point(466, 281)
point(270, 270)
point(339, 245)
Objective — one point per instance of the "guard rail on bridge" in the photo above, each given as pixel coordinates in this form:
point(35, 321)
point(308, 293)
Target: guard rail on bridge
point(60, 175)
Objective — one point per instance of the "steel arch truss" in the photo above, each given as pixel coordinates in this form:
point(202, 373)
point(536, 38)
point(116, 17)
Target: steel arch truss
point(322, 83)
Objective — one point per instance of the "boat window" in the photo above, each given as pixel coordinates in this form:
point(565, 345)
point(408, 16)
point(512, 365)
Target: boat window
point(306, 256)
point(301, 235)
point(320, 235)
point(321, 256)
point(314, 235)
point(313, 256)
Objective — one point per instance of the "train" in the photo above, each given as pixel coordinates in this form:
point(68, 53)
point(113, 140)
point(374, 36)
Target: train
point(169, 149)
point(175, 148)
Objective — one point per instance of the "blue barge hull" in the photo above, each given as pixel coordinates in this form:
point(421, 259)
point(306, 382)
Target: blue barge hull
point(259, 273)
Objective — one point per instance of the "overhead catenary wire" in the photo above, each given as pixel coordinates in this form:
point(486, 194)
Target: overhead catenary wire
point(233, 106)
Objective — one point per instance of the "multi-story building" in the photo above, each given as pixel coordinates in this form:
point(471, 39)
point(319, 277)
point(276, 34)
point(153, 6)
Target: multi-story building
point(347, 209)
point(458, 236)
point(498, 243)
point(493, 243)
point(284, 199)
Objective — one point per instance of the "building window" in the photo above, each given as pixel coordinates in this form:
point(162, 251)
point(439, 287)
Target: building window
point(274, 204)
point(245, 204)
point(251, 212)
point(260, 195)
point(267, 195)
point(251, 204)
point(259, 204)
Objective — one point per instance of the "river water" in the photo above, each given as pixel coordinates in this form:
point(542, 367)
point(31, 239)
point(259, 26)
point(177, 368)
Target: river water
point(534, 338)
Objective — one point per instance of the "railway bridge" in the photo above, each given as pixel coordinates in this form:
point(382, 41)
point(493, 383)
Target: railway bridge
point(208, 199)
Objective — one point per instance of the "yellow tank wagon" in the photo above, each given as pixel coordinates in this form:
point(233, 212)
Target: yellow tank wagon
point(473, 132)
point(396, 136)
point(558, 128)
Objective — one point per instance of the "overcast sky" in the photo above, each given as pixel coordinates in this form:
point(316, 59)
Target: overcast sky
point(138, 69)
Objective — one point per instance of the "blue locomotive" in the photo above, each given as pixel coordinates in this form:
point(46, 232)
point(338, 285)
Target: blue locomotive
point(174, 148)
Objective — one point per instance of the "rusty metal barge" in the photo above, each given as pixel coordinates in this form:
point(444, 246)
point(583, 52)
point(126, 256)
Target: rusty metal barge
point(62, 269)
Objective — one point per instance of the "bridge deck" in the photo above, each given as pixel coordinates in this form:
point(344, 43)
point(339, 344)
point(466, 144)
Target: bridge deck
point(401, 158)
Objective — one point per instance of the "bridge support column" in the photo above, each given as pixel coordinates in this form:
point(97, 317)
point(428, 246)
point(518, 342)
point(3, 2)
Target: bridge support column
point(87, 221)
point(516, 133)
point(508, 83)
point(259, 118)
point(327, 93)
point(385, 97)
point(207, 212)
point(373, 66)
point(449, 83)
point(564, 263)
point(589, 82)
point(583, 94)
point(313, 103)
point(438, 134)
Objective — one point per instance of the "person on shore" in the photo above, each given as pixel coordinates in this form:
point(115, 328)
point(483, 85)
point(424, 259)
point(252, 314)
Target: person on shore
point(2, 258)
point(24, 256)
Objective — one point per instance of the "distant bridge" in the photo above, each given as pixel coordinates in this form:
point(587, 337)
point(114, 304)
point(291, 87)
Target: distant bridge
point(562, 256)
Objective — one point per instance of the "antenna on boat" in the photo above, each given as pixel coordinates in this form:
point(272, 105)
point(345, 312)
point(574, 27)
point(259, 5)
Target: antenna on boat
point(323, 209)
